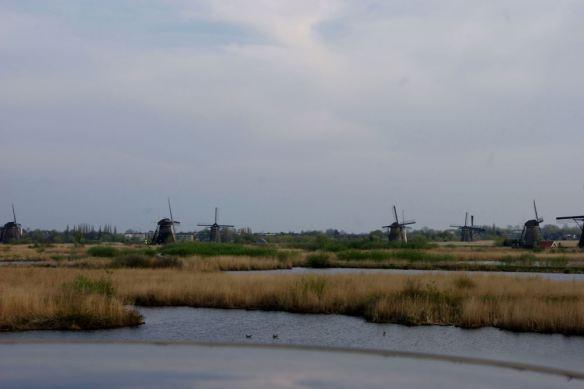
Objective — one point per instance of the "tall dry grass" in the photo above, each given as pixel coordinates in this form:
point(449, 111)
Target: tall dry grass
point(33, 297)
point(535, 305)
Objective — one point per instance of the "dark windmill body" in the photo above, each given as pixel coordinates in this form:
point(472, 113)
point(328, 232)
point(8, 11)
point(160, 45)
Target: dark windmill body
point(467, 232)
point(579, 220)
point(215, 228)
point(531, 234)
point(164, 233)
point(11, 231)
point(397, 232)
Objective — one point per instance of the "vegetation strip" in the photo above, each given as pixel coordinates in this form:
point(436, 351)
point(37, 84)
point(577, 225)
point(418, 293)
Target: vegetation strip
point(36, 298)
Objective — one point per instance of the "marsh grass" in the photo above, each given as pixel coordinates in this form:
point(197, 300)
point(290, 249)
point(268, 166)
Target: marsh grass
point(60, 299)
point(111, 252)
point(186, 249)
point(83, 285)
point(144, 261)
point(70, 298)
point(535, 305)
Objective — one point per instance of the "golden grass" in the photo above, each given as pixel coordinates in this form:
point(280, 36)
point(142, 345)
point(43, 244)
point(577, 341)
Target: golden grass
point(30, 296)
point(36, 298)
point(226, 263)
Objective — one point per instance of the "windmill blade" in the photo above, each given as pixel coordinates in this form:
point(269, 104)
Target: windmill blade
point(395, 214)
point(408, 223)
point(171, 221)
point(216, 212)
point(466, 219)
point(170, 210)
point(14, 214)
point(403, 216)
point(226, 225)
point(537, 218)
point(472, 220)
point(205, 225)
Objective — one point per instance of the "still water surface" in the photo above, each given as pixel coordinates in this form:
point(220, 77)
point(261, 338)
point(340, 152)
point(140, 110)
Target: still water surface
point(232, 326)
point(306, 270)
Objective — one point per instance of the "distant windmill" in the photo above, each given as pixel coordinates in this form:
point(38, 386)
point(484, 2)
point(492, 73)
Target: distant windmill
point(215, 228)
point(531, 235)
point(467, 231)
point(579, 220)
point(165, 230)
point(11, 231)
point(397, 230)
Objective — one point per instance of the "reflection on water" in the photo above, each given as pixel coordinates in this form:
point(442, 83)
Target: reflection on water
point(161, 366)
point(232, 326)
point(306, 270)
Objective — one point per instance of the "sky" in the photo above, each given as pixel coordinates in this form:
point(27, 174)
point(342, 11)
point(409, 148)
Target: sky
point(290, 115)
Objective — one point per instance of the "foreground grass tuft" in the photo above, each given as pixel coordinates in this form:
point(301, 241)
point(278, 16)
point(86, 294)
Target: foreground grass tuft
point(56, 300)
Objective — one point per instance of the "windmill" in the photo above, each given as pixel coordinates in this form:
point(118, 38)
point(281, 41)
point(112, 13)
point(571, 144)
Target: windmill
point(467, 231)
point(397, 230)
point(531, 235)
point(579, 220)
point(11, 231)
point(165, 229)
point(215, 228)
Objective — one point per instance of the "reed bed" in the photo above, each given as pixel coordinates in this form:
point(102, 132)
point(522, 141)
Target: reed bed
point(35, 298)
point(533, 305)
point(60, 299)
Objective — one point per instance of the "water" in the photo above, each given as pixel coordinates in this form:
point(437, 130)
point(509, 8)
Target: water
point(306, 270)
point(162, 366)
point(232, 326)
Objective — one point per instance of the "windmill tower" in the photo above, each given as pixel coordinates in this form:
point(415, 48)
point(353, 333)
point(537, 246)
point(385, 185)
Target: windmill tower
point(215, 228)
point(165, 229)
point(396, 230)
point(467, 231)
point(531, 235)
point(579, 220)
point(11, 231)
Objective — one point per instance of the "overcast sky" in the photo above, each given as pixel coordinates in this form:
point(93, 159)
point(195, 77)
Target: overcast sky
point(290, 115)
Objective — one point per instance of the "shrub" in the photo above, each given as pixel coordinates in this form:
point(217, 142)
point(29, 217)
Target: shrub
point(102, 251)
point(318, 260)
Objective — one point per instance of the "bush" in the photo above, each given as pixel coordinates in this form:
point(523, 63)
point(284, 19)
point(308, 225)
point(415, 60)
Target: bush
point(318, 260)
point(102, 251)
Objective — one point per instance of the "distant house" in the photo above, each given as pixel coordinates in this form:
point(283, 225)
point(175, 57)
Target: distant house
point(549, 244)
point(185, 236)
point(137, 236)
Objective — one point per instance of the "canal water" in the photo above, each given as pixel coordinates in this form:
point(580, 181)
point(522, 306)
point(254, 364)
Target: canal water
point(306, 270)
point(280, 328)
point(121, 365)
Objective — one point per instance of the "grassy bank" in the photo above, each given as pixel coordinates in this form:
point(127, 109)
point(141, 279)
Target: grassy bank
point(36, 297)
point(216, 257)
point(50, 299)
